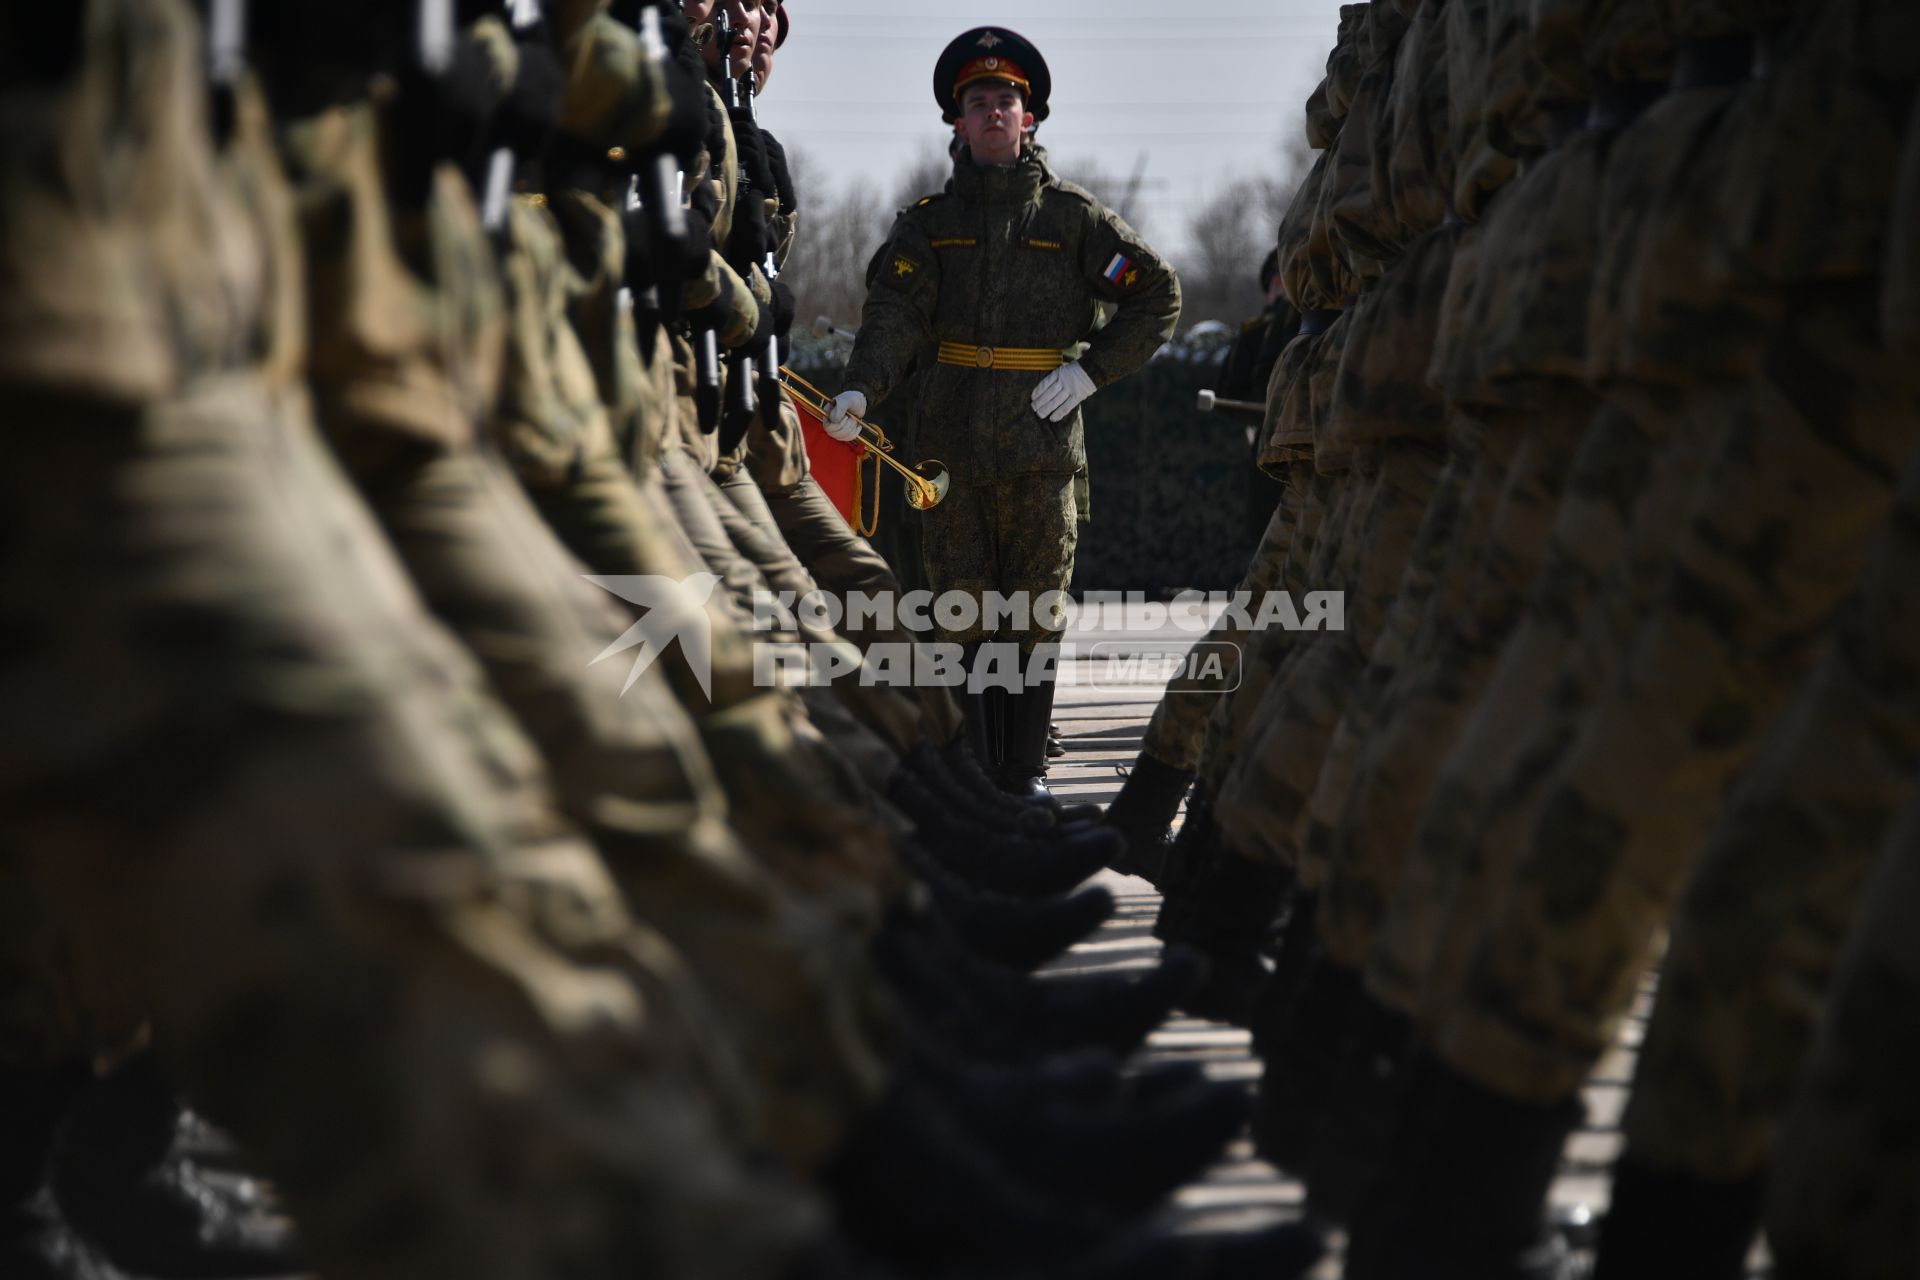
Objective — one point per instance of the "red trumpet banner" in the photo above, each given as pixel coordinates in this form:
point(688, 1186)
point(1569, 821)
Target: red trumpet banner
point(837, 466)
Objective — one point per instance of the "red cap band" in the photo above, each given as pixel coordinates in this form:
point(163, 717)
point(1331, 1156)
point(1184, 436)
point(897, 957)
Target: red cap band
point(992, 69)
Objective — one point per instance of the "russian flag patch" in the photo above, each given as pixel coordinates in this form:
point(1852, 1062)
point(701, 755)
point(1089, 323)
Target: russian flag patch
point(1118, 268)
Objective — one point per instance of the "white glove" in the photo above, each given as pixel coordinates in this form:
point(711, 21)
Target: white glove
point(846, 406)
point(1061, 392)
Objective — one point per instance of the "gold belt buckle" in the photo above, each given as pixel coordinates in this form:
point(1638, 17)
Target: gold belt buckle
point(983, 357)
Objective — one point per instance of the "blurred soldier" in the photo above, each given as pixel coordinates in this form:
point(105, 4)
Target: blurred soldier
point(269, 803)
point(990, 285)
point(1188, 727)
point(1244, 376)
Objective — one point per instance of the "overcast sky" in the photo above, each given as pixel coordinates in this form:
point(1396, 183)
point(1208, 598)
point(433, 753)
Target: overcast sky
point(1204, 89)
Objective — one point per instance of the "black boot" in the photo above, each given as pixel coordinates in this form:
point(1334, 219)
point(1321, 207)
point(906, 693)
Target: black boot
point(1353, 1140)
point(1143, 812)
point(1023, 744)
point(982, 710)
point(1465, 1192)
point(1183, 866)
point(1298, 953)
point(1023, 933)
point(1665, 1222)
point(913, 1188)
point(1008, 1017)
point(36, 1241)
point(1120, 1155)
point(121, 1182)
point(1048, 863)
point(1303, 1053)
point(1227, 916)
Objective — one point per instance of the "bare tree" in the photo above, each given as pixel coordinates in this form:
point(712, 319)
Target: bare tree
point(926, 176)
point(1229, 234)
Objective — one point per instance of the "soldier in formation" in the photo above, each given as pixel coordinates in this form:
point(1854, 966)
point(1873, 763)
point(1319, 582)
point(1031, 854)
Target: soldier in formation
point(349, 353)
point(1602, 415)
point(382, 376)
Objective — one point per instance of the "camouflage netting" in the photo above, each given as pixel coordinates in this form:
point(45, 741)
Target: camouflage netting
point(1169, 483)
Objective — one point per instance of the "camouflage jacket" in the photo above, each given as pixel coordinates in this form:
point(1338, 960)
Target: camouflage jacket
point(1007, 257)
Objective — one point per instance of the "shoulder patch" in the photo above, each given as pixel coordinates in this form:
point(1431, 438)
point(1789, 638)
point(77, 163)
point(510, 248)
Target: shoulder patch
point(1121, 271)
point(903, 267)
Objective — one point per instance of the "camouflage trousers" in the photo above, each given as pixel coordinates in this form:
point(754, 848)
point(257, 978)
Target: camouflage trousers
point(831, 752)
point(1624, 499)
point(844, 563)
point(269, 803)
point(802, 522)
point(1758, 930)
point(868, 727)
point(630, 767)
point(1260, 806)
point(1175, 733)
point(1007, 534)
point(1475, 557)
point(1599, 845)
point(1841, 1192)
point(1233, 720)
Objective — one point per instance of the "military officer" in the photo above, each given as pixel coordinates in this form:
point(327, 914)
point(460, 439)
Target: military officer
point(993, 286)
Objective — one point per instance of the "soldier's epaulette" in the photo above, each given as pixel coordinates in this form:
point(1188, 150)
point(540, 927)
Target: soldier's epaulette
point(921, 203)
point(1078, 192)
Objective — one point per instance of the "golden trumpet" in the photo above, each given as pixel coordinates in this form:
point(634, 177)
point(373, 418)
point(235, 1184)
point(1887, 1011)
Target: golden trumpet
point(927, 480)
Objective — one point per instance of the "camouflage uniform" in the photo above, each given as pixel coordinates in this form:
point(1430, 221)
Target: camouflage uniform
point(268, 798)
point(1541, 448)
point(1769, 900)
point(1318, 279)
point(1379, 413)
point(1762, 920)
point(1841, 1194)
point(1600, 844)
point(1192, 721)
point(1341, 829)
point(1009, 257)
point(400, 370)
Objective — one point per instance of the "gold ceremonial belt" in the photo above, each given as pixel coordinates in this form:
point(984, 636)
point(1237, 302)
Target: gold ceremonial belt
point(1031, 359)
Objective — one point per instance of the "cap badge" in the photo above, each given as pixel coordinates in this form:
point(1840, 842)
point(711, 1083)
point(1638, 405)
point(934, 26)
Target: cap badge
point(988, 40)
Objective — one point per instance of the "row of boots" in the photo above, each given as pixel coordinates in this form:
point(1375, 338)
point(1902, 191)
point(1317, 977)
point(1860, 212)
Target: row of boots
point(1011, 1140)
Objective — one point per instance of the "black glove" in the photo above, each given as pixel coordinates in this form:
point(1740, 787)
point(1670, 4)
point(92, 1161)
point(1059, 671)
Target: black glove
point(764, 327)
point(526, 119)
point(642, 273)
point(700, 213)
point(688, 123)
point(754, 161)
point(782, 176)
point(784, 307)
point(749, 239)
point(41, 43)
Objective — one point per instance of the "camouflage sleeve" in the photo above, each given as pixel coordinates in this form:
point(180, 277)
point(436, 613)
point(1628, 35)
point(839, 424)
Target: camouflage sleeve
point(720, 300)
point(896, 326)
point(1125, 271)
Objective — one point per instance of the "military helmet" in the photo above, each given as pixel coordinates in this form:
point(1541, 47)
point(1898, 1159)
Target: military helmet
point(991, 53)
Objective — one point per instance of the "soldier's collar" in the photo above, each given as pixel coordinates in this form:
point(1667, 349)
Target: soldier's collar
point(1001, 184)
